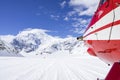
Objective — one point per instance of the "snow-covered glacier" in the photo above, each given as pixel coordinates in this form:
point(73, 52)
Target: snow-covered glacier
point(52, 68)
point(47, 57)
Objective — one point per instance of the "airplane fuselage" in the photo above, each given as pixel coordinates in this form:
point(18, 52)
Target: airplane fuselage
point(103, 33)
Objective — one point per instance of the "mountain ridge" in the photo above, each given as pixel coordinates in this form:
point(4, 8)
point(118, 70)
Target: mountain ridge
point(38, 42)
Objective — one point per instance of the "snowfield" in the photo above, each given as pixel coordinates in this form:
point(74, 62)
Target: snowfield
point(53, 67)
point(35, 55)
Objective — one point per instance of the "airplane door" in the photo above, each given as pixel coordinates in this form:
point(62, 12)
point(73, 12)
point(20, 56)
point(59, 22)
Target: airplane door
point(104, 15)
point(115, 33)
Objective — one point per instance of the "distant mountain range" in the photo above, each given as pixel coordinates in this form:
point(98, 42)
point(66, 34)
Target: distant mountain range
point(38, 42)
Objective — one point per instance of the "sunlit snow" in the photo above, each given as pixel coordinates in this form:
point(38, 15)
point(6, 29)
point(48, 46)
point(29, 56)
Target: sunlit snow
point(52, 67)
point(35, 55)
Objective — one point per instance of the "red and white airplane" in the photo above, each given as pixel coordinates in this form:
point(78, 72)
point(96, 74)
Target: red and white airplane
point(103, 36)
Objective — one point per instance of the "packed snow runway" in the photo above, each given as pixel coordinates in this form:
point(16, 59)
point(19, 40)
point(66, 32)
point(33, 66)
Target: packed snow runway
point(52, 68)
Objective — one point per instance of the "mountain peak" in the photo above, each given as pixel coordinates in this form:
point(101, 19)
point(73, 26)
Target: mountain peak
point(38, 42)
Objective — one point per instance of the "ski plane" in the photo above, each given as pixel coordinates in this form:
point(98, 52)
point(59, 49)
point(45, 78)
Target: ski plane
point(102, 36)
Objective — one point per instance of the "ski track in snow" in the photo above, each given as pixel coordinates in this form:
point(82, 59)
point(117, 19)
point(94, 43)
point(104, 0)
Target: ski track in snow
point(52, 68)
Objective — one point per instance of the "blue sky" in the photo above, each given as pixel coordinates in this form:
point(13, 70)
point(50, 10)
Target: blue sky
point(60, 17)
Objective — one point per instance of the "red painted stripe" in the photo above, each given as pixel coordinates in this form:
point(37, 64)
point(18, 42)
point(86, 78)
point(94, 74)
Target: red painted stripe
point(107, 7)
point(104, 27)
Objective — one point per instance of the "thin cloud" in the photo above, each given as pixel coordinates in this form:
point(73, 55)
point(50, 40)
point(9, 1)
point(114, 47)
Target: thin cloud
point(85, 3)
point(80, 25)
point(84, 7)
point(55, 17)
point(66, 19)
point(81, 13)
point(63, 4)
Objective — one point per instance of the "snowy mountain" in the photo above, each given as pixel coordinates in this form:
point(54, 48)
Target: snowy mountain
point(7, 49)
point(38, 42)
point(68, 45)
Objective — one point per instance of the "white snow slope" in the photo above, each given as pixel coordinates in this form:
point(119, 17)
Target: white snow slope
point(8, 50)
point(53, 67)
point(47, 58)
